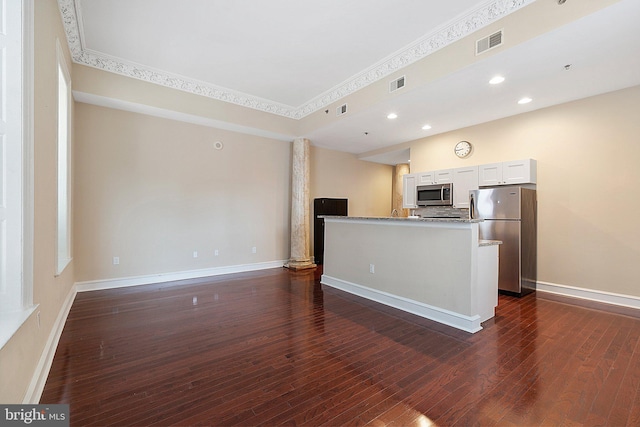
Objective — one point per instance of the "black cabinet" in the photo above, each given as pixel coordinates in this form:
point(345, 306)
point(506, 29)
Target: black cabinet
point(324, 207)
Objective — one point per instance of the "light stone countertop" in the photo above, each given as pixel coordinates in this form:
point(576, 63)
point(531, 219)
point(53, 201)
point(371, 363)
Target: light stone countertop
point(489, 242)
point(394, 218)
point(400, 219)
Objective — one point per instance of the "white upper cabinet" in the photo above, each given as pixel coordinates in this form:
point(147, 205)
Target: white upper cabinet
point(409, 191)
point(490, 174)
point(464, 180)
point(505, 173)
point(519, 172)
point(444, 176)
point(424, 178)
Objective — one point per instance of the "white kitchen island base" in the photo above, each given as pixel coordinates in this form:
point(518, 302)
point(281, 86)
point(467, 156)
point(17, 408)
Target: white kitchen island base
point(434, 268)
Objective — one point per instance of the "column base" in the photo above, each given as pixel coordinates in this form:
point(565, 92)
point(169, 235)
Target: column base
point(300, 265)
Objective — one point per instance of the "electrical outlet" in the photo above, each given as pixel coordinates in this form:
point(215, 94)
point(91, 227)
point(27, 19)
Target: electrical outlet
point(254, 250)
point(372, 268)
point(195, 254)
point(116, 260)
point(216, 253)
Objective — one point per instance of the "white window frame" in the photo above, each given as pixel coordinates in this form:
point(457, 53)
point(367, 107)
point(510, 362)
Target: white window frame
point(16, 168)
point(63, 182)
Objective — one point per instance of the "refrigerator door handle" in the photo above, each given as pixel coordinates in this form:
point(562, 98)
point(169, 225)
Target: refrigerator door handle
point(472, 206)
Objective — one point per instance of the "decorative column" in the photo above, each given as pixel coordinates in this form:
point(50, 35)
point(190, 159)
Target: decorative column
point(300, 259)
point(397, 190)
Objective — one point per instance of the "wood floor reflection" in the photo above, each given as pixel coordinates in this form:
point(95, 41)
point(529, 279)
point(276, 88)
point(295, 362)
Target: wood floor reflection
point(274, 347)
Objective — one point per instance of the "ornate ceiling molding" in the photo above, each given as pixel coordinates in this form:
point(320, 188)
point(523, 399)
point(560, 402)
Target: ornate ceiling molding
point(489, 12)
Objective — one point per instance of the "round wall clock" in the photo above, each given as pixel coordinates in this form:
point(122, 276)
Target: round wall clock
point(463, 149)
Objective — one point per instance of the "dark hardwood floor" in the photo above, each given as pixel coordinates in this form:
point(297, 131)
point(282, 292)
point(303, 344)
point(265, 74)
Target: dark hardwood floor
point(274, 347)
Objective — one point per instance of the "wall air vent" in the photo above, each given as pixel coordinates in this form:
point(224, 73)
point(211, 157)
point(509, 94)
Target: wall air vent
point(489, 42)
point(396, 84)
point(341, 110)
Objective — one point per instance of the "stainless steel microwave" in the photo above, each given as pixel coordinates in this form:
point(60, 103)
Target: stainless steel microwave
point(434, 195)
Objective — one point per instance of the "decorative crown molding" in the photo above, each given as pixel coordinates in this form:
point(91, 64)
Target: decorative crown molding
point(482, 16)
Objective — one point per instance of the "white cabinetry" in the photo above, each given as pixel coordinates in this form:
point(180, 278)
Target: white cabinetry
point(443, 176)
point(409, 191)
point(490, 174)
point(469, 178)
point(464, 180)
point(519, 172)
point(505, 173)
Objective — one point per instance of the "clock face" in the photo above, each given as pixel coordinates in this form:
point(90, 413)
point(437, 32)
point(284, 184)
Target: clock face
point(462, 149)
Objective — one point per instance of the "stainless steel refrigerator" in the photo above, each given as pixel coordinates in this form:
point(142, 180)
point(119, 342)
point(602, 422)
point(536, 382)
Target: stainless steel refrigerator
point(510, 215)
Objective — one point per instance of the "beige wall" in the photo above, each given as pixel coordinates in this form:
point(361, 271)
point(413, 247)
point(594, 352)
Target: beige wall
point(367, 185)
point(151, 191)
point(20, 356)
point(588, 181)
point(341, 175)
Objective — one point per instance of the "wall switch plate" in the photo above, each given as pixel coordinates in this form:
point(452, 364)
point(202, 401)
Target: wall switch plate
point(216, 253)
point(195, 254)
point(254, 250)
point(116, 260)
point(372, 268)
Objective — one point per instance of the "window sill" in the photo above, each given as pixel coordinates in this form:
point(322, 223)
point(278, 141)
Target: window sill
point(63, 264)
point(12, 321)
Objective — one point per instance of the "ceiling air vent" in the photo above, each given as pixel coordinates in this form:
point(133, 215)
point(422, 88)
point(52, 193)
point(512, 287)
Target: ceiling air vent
point(341, 110)
point(396, 84)
point(489, 42)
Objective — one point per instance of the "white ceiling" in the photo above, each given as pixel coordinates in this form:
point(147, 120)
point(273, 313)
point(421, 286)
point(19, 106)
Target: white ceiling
point(283, 51)
point(292, 57)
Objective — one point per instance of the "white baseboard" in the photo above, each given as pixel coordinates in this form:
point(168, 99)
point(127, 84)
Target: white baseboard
point(450, 318)
point(39, 379)
point(95, 285)
point(589, 294)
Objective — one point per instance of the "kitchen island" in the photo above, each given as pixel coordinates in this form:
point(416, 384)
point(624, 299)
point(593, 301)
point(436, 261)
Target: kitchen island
point(432, 267)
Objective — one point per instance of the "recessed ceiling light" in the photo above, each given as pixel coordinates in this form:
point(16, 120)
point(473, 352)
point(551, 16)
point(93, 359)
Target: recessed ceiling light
point(426, 127)
point(496, 80)
point(392, 116)
point(525, 100)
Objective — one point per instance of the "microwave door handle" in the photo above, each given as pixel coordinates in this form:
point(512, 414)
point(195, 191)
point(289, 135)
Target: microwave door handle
point(442, 193)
